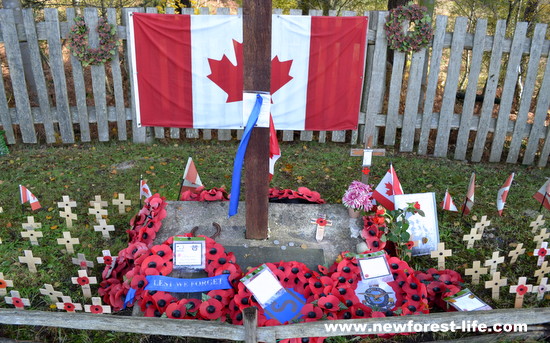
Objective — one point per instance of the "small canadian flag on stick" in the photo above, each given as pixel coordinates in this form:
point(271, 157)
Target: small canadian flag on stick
point(27, 196)
point(144, 190)
point(191, 179)
point(448, 203)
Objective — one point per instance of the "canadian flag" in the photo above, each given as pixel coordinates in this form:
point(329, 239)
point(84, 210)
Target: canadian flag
point(187, 71)
point(543, 195)
point(144, 190)
point(503, 193)
point(27, 196)
point(469, 201)
point(191, 178)
point(448, 203)
point(387, 188)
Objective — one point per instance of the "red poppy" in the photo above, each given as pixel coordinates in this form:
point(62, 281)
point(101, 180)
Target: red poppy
point(17, 302)
point(347, 268)
point(435, 287)
point(329, 303)
point(146, 235)
point(214, 252)
point(397, 264)
point(3, 284)
point(321, 221)
point(542, 252)
point(521, 289)
point(412, 286)
point(416, 205)
point(177, 309)
point(243, 300)
point(108, 260)
point(222, 295)
point(380, 211)
point(193, 305)
point(346, 295)
point(138, 282)
point(311, 313)
point(83, 281)
point(214, 194)
point(117, 296)
point(236, 317)
point(323, 269)
point(155, 265)
point(162, 300)
point(360, 311)
point(366, 170)
point(309, 195)
point(211, 309)
point(97, 309)
point(189, 195)
point(163, 251)
point(410, 245)
point(69, 307)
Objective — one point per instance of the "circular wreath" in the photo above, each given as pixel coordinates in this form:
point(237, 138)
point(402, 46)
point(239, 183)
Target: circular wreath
point(78, 42)
point(407, 41)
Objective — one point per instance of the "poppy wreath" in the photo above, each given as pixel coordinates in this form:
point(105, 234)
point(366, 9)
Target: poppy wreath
point(78, 42)
point(408, 41)
point(202, 194)
point(146, 224)
point(303, 196)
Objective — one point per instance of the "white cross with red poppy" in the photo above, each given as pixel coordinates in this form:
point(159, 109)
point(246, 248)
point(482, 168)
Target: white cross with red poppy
point(4, 284)
point(97, 211)
point(17, 301)
point(49, 291)
point(84, 281)
point(495, 284)
point(96, 307)
point(104, 228)
point(537, 223)
point(68, 241)
point(121, 202)
point(108, 260)
point(514, 254)
point(541, 288)
point(520, 289)
point(80, 260)
point(68, 305)
point(321, 222)
point(541, 253)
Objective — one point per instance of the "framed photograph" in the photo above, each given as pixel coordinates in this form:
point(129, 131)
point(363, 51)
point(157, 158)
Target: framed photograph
point(374, 268)
point(465, 300)
point(424, 230)
point(189, 253)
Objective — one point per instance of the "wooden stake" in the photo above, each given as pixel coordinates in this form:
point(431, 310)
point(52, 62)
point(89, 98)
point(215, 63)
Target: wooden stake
point(30, 224)
point(475, 272)
point(32, 236)
point(257, 78)
point(520, 290)
point(495, 284)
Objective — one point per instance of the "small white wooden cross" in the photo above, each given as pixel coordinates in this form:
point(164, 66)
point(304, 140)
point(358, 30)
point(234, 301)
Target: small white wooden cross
point(520, 289)
point(80, 260)
point(30, 224)
point(471, 238)
point(495, 284)
point(51, 293)
point(30, 260)
point(67, 202)
point(482, 224)
point(321, 223)
point(84, 281)
point(69, 216)
point(475, 272)
point(1, 210)
point(514, 254)
point(68, 241)
point(4, 284)
point(68, 305)
point(541, 288)
point(540, 273)
point(97, 307)
point(368, 152)
point(541, 253)
point(17, 301)
point(440, 254)
point(541, 237)
point(32, 235)
point(121, 202)
point(97, 199)
point(97, 211)
point(537, 223)
point(109, 261)
point(494, 262)
point(104, 228)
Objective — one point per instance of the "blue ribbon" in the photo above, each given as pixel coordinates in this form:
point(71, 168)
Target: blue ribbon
point(239, 157)
point(177, 285)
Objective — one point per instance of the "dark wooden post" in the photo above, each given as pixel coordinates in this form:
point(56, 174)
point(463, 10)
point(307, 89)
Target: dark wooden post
point(250, 323)
point(257, 77)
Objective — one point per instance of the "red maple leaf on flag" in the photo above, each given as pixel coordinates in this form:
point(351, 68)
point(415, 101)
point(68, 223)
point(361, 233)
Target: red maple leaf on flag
point(229, 77)
point(504, 195)
point(389, 188)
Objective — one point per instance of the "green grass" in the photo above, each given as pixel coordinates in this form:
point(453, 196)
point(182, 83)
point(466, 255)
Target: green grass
point(85, 170)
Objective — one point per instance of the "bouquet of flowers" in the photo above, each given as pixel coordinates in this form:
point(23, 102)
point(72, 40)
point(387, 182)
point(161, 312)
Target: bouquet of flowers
point(358, 197)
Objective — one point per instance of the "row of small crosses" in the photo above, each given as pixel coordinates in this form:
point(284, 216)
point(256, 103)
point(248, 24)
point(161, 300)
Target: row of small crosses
point(57, 298)
point(97, 208)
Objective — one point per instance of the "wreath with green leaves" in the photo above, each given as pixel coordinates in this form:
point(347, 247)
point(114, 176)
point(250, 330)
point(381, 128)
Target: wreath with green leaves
point(404, 40)
point(78, 42)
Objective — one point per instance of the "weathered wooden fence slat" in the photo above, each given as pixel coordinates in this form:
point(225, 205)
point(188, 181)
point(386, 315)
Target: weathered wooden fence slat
point(471, 90)
point(58, 75)
point(79, 87)
point(507, 96)
point(490, 91)
point(433, 80)
point(13, 54)
point(538, 128)
point(451, 84)
point(38, 74)
point(526, 96)
point(487, 129)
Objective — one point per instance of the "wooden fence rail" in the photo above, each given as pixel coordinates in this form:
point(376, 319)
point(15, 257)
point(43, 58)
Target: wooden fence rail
point(536, 319)
point(411, 102)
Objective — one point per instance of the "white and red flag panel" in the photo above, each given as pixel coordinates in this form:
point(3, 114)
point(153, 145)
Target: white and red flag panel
point(188, 71)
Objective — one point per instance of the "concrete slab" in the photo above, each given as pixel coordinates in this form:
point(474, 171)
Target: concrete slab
point(290, 230)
